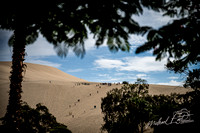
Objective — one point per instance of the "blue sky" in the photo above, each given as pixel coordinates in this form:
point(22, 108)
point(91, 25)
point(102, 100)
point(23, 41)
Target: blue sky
point(99, 64)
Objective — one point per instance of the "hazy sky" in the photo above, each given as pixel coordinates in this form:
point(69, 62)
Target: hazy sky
point(101, 65)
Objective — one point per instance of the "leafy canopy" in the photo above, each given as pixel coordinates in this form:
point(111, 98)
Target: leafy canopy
point(131, 109)
point(126, 109)
point(67, 23)
point(178, 40)
point(37, 120)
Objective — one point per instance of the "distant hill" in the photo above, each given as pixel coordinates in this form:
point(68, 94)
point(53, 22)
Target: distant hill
point(36, 72)
point(74, 101)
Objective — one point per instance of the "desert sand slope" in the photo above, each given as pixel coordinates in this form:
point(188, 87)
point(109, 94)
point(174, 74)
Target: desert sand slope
point(72, 102)
point(36, 72)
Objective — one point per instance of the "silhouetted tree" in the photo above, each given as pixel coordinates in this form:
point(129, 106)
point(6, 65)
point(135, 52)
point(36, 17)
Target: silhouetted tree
point(125, 82)
point(178, 40)
point(37, 120)
point(64, 23)
point(130, 110)
point(126, 110)
point(193, 79)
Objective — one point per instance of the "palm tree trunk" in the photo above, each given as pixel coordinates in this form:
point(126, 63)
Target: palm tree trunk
point(12, 117)
point(142, 127)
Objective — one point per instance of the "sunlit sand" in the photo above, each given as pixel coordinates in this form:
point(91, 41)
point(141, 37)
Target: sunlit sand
point(73, 101)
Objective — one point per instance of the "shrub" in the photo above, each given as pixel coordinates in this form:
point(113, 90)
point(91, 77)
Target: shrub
point(37, 120)
point(125, 82)
point(128, 109)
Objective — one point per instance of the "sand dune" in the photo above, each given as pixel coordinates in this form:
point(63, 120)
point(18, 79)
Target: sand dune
point(36, 72)
point(75, 104)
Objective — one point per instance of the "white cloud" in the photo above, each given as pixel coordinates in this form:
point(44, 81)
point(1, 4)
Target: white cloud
point(152, 18)
point(43, 62)
point(142, 75)
point(143, 64)
point(120, 74)
point(75, 70)
point(172, 83)
point(137, 40)
point(140, 64)
point(90, 43)
point(110, 80)
point(108, 63)
point(115, 78)
point(103, 75)
point(173, 77)
point(43, 48)
point(40, 48)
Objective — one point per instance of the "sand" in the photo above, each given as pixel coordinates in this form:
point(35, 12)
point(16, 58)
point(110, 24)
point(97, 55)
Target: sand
point(68, 98)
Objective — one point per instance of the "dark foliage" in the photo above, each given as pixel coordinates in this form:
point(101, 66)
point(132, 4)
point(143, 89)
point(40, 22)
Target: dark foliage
point(174, 102)
point(130, 109)
point(126, 110)
point(178, 40)
point(37, 120)
point(193, 79)
point(125, 82)
point(66, 23)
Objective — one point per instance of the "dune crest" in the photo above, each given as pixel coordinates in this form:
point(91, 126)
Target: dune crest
point(36, 72)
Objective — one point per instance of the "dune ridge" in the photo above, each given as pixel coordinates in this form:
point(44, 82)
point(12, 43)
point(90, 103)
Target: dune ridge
point(36, 72)
point(74, 101)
